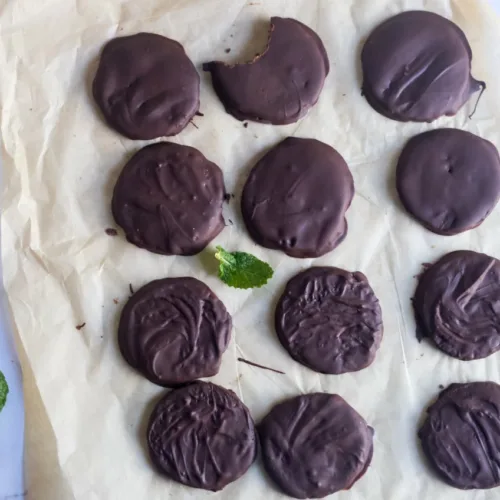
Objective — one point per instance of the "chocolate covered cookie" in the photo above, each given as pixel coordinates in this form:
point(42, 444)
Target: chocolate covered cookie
point(296, 197)
point(202, 436)
point(174, 331)
point(280, 85)
point(330, 320)
point(314, 445)
point(146, 86)
point(461, 435)
point(168, 199)
point(416, 67)
point(457, 304)
point(449, 179)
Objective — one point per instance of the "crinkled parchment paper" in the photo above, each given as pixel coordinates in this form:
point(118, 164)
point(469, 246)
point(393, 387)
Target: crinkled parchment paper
point(86, 409)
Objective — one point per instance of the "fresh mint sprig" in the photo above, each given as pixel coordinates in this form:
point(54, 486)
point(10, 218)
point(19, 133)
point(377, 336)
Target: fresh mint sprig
point(242, 270)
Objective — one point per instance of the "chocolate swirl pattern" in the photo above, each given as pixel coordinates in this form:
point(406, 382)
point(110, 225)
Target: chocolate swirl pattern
point(416, 67)
point(280, 85)
point(174, 331)
point(461, 435)
point(315, 444)
point(330, 320)
point(146, 86)
point(457, 304)
point(202, 436)
point(296, 197)
point(168, 199)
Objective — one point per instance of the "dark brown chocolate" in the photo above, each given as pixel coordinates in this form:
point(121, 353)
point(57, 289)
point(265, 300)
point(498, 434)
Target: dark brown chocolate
point(315, 444)
point(457, 304)
point(168, 199)
point(461, 435)
point(296, 197)
point(416, 67)
point(330, 320)
point(449, 180)
point(174, 331)
point(146, 86)
point(280, 85)
point(202, 436)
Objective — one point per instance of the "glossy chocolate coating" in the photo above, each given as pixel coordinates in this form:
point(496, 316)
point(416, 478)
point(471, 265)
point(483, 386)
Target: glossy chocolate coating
point(457, 304)
point(315, 444)
point(146, 86)
point(168, 199)
point(416, 67)
point(202, 436)
point(461, 435)
point(449, 179)
point(330, 320)
point(296, 197)
point(174, 331)
point(280, 85)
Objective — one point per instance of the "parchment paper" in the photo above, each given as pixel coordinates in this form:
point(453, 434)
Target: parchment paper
point(86, 409)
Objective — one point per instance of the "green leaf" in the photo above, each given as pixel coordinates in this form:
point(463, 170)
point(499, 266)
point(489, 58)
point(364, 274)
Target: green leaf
point(242, 270)
point(4, 390)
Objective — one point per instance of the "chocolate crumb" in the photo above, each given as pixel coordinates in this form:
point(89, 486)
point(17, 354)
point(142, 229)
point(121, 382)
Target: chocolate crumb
point(131, 289)
point(260, 366)
point(230, 222)
point(227, 51)
point(199, 113)
point(79, 327)
point(227, 197)
point(111, 232)
point(441, 386)
point(245, 125)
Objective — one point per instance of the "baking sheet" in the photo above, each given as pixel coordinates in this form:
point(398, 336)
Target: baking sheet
point(85, 408)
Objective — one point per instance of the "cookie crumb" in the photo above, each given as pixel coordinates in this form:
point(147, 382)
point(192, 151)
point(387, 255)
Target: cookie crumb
point(111, 231)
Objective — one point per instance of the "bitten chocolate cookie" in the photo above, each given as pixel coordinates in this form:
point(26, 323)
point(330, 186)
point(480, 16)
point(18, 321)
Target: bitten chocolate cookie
point(146, 86)
point(174, 331)
point(168, 199)
point(330, 320)
point(461, 435)
point(457, 304)
point(202, 436)
point(314, 445)
point(449, 179)
point(296, 197)
point(416, 67)
point(280, 85)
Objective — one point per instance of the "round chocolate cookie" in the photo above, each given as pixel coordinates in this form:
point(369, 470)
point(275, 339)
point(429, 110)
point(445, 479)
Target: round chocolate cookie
point(168, 199)
point(416, 67)
point(315, 444)
point(330, 320)
point(461, 435)
point(449, 179)
point(457, 304)
point(202, 436)
point(296, 197)
point(280, 85)
point(174, 330)
point(146, 86)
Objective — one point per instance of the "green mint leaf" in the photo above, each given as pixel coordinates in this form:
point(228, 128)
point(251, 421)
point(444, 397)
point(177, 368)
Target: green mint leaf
point(4, 390)
point(242, 270)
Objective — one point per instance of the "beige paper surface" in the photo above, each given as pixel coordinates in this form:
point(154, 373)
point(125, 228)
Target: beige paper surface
point(86, 409)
